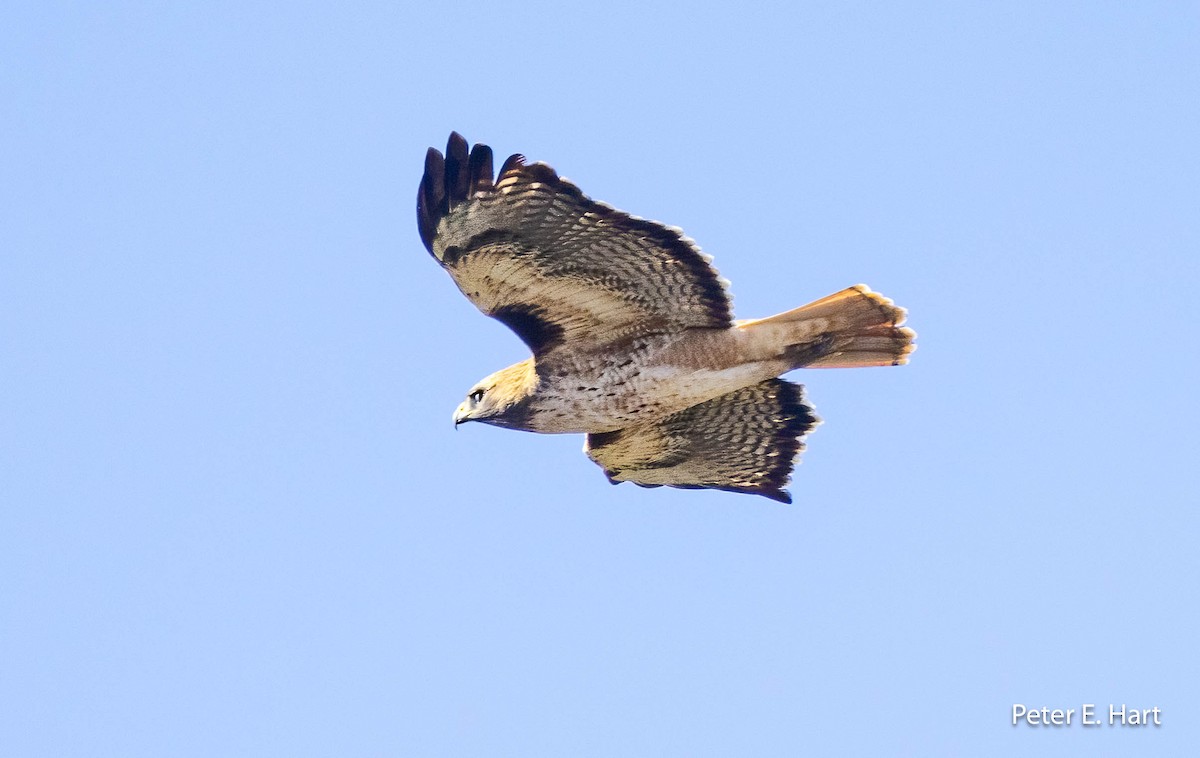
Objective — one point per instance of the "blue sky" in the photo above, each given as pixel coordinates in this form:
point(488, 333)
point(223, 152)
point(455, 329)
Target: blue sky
point(236, 520)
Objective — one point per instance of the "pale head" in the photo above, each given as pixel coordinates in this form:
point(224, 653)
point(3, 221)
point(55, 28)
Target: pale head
point(499, 399)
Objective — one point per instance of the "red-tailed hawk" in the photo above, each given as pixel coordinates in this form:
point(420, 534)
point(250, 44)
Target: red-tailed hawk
point(631, 331)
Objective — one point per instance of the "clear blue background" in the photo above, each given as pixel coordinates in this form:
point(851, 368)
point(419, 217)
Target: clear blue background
point(236, 521)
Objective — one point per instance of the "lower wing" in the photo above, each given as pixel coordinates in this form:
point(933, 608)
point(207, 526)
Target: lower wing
point(745, 441)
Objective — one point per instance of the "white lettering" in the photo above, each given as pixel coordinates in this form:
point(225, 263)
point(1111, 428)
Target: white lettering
point(1088, 710)
point(1127, 716)
point(1041, 716)
point(1112, 715)
point(1018, 712)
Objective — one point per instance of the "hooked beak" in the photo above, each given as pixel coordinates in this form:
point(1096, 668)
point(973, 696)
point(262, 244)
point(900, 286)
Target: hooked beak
point(462, 414)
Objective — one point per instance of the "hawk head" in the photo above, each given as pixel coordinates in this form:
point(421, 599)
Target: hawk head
point(500, 399)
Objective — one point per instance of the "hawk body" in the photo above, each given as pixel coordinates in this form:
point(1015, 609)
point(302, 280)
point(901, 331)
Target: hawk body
point(631, 330)
point(574, 391)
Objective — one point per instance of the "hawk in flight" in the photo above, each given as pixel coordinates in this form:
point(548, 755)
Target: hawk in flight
point(633, 339)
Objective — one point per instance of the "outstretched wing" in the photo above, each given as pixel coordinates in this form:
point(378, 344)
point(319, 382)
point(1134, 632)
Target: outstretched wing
point(533, 251)
point(746, 441)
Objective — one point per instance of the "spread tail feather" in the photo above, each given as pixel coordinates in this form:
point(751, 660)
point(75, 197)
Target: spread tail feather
point(852, 328)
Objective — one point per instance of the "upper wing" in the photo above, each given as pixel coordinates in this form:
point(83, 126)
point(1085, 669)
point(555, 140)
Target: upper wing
point(745, 441)
point(533, 251)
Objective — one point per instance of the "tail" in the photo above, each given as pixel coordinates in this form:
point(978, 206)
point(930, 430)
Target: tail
point(851, 328)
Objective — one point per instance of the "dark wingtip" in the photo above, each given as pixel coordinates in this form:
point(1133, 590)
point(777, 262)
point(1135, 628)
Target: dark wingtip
point(511, 163)
point(798, 420)
point(431, 197)
point(779, 496)
point(450, 180)
point(457, 169)
point(480, 169)
point(768, 490)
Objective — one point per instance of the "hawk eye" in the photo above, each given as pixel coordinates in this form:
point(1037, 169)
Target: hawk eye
point(476, 396)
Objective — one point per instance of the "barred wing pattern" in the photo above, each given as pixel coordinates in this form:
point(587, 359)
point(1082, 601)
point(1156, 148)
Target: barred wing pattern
point(555, 266)
point(745, 441)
